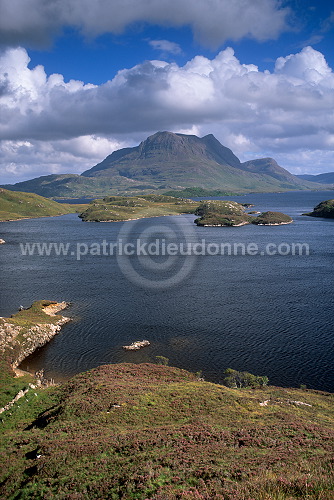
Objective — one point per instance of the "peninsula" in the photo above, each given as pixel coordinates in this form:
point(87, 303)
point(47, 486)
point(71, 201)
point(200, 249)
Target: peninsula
point(24, 332)
point(122, 208)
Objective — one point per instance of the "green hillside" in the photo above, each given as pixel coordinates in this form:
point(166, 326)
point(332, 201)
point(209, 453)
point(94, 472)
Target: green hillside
point(145, 431)
point(326, 178)
point(16, 205)
point(67, 186)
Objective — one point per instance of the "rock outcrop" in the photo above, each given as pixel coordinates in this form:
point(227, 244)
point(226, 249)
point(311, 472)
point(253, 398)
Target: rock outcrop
point(20, 339)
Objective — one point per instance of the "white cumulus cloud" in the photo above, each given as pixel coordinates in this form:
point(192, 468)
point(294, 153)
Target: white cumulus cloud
point(258, 113)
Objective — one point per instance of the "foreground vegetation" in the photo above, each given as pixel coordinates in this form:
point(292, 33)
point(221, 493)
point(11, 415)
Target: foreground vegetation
point(120, 208)
point(151, 431)
point(323, 209)
point(16, 205)
point(143, 431)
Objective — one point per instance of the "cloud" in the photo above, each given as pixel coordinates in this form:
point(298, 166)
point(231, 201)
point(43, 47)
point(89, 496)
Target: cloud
point(165, 46)
point(36, 22)
point(23, 160)
point(257, 113)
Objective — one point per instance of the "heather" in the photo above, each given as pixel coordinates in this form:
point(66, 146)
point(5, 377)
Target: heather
point(139, 431)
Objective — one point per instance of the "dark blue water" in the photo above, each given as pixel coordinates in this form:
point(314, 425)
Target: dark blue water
point(268, 314)
point(74, 201)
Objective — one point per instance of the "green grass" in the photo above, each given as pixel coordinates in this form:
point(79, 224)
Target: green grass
point(151, 431)
point(221, 213)
point(16, 205)
point(33, 315)
point(120, 208)
point(230, 213)
point(268, 218)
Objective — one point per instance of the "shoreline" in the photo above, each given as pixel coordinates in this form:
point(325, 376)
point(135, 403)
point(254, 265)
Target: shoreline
point(21, 337)
point(37, 217)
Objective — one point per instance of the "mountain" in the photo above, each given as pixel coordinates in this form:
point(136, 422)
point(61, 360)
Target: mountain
point(167, 160)
point(173, 160)
point(327, 178)
point(21, 205)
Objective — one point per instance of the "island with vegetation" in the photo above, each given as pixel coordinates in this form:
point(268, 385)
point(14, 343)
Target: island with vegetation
point(272, 219)
point(324, 209)
point(212, 213)
point(121, 208)
point(230, 213)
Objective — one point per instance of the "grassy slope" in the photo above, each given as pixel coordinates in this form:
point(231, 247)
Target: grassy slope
point(67, 186)
point(17, 205)
point(146, 431)
point(118, 208)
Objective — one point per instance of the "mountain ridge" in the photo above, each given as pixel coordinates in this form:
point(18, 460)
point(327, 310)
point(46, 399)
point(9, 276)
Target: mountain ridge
point(167, 160)
point(325, 178)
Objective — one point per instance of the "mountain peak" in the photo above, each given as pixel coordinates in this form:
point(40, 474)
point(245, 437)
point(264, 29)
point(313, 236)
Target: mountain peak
point(171, 160)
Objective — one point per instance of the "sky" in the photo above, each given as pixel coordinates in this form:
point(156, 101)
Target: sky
point(82, 78)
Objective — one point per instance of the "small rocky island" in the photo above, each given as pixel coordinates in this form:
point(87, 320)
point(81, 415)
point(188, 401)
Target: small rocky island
point(230, 213)
point(324, 209)
point(272, 219)
point(135, 346)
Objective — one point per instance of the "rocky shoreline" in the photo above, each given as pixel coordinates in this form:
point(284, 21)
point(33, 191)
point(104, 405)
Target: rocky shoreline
point(18, 341)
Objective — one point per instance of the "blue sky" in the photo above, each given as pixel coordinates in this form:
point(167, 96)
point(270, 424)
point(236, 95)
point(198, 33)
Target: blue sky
point(81, 78)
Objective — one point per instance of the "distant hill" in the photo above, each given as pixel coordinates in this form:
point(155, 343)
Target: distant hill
point(327, 178)
point(169, 161)
point(16, 205)
point(64, 186)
